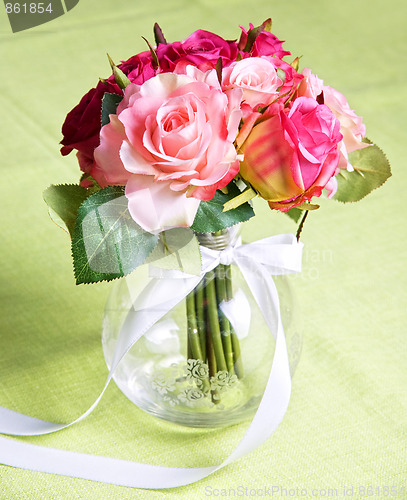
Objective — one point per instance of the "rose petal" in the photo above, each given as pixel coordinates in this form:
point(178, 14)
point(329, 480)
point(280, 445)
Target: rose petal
point(107, 154)
point(156, 207)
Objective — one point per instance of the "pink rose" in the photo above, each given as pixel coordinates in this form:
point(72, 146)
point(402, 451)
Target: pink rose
point(291, 79)
point(266, 44)
point(265, 81)
point(290, 157)
point(257, 77)
point(171, 144)
point(201, 48)
point(352, 127)
point(311, 85)
point(82, 124)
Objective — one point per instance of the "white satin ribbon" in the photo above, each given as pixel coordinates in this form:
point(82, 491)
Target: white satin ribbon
point(279, 254)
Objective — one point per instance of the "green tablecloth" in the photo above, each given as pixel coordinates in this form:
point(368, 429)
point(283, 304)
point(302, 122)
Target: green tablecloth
point(346, 426)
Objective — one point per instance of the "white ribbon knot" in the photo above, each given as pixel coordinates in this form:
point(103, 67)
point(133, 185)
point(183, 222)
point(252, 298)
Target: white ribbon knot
point(277, 255)
point(226, 256)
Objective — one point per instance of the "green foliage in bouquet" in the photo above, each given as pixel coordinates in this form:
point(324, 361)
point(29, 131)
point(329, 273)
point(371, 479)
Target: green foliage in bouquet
point(109, 106)
point(371, 170)
point(108, 244)
point(211, 217)
point(64, 202)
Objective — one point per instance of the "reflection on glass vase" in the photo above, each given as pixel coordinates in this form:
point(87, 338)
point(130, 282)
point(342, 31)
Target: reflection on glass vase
point(206, 362)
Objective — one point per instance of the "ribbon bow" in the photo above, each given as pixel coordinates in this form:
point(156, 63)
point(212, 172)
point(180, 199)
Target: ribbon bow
point(277, 255)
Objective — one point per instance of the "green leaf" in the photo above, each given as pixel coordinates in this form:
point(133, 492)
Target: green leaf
point(109, 106)
point(295, 214)
point(120, 78)
point(64, 201)
point(155, 61)
point(306, 205)
point(210, 216)
point(107, 243)
point(255, 32)
point(177, 248)
point(93, 182)
point(372, 169)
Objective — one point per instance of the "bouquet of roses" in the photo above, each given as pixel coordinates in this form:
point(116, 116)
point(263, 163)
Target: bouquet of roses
point(181, 137)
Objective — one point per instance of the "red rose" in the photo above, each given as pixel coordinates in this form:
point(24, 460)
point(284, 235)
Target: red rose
point(201, 49)
point(82, 124)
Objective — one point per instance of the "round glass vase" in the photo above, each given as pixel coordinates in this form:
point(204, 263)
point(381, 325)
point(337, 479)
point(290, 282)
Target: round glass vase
point(207, 361)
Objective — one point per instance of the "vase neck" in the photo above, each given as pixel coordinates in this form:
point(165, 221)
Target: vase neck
point(219, 240)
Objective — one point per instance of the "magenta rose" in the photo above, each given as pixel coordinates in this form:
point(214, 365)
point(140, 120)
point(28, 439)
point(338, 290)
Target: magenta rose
point(290, 157)
point(171, 145)
point(202, 49)
point(138, 68)
point(266, 44)
point(82, 124)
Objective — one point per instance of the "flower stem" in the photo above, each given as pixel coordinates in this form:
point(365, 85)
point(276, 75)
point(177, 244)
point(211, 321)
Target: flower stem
point(237, 359)
point(200, 316)
point(214, 321)
point(211, 360)
point(194, 343)
point(299, 230)
point(224, 322)
point(211, 353)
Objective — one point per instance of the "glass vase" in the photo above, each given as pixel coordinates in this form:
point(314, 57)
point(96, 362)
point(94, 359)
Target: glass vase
point(206, 362)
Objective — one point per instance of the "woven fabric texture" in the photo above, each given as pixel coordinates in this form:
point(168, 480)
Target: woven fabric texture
point(346, 426)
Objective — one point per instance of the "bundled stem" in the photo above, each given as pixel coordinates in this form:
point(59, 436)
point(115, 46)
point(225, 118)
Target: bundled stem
point(193, 335)
point(224, 322)
point(200, 316)
point(211, 336)
point(213, 317)
point(194, 340)
point(237, 359)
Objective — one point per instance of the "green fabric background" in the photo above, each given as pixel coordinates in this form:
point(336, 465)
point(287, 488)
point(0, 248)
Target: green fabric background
point(346, 425)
